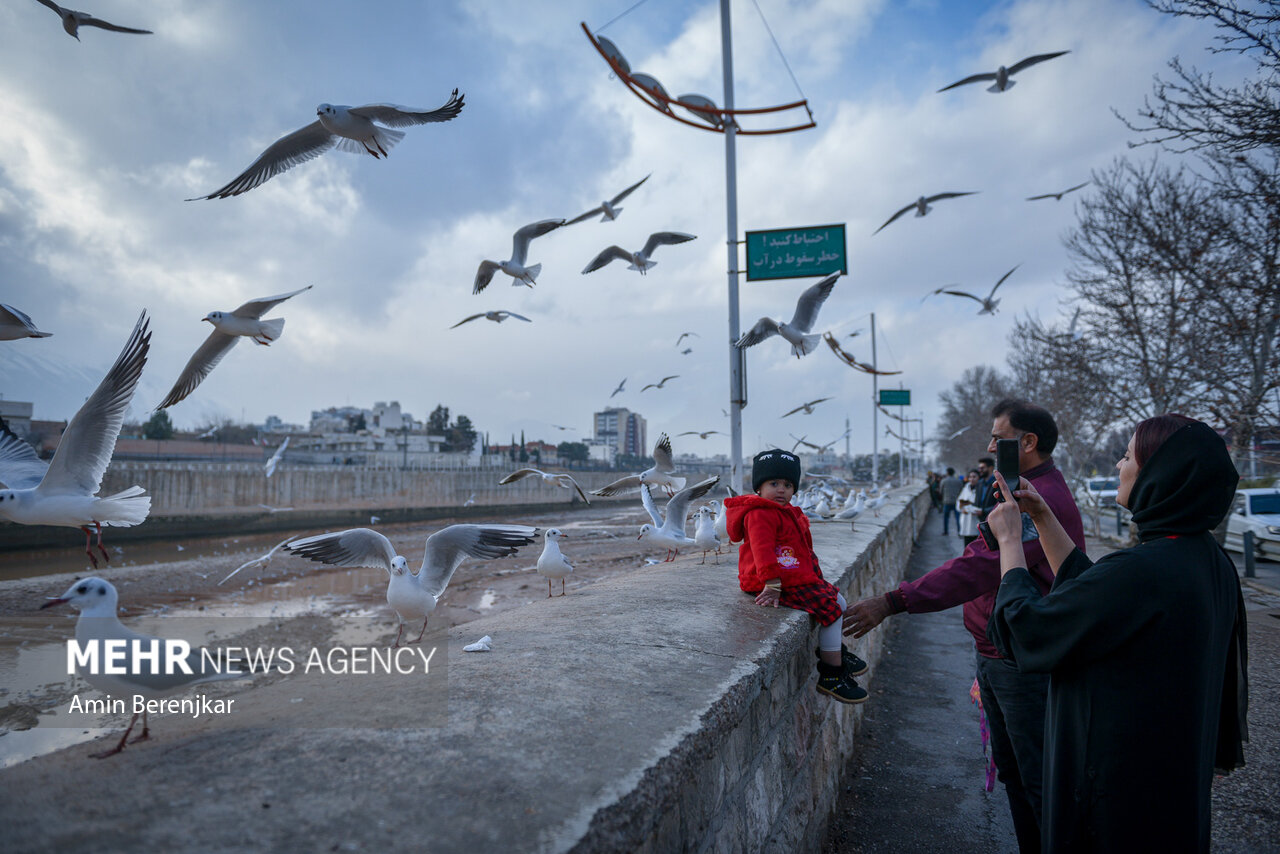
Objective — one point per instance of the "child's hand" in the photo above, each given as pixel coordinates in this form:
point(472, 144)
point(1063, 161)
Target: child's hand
point(770, 596)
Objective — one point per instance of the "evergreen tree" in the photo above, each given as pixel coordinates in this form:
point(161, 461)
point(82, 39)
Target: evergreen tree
point(158, 426)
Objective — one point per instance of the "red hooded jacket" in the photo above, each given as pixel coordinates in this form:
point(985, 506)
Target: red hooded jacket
point(776, 543)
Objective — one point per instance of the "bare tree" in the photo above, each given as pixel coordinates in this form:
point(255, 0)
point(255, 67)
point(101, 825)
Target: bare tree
point(967, 406)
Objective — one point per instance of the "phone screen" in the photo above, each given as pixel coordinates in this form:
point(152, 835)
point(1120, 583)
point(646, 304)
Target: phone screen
point(1007, 461)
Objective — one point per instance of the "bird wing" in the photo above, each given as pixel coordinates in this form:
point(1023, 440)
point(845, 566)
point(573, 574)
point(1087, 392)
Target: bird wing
point(286, 152)
point(54, 6)
point(520, 240)
point(663, 461)
point(517, 316)
point(520, 474)
point(611, 253)
point(258, 307)
point(1032, 60)
point(89, 440)
point(20, 465)
point(587, 215)
point(484, 275)
point(965, 294)
point(447, 548)
point(568, 482)
point(354, 547)
point(625, 484)
point(1001, 282)
point(940, 196)
point(89, 21)
point(665, 238)
point(628, 191)
point(973, 78)
point(678, 507)
point(764, 328)
point(646, 498)
point(199, 366)
point(792, 412)
point(21, 318)
point(1057, 196)
point(895, 216)
point(395, 116)
point(810, 301)
point(467, 320)
point(663, 381)
point(261, 560)
point(619, 388)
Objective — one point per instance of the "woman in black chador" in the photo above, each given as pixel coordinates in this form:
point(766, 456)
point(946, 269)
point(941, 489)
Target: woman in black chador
point(1146, 650)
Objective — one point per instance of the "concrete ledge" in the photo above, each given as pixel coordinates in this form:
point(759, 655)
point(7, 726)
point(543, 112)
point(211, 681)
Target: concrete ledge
point(659, 711)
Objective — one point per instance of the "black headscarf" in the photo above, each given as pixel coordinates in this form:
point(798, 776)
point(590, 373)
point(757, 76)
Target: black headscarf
point(1186, 487)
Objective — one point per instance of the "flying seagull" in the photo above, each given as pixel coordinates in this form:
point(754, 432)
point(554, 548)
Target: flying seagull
point(662, 473)
point(619, 388)
point(495, 316)
point(684, 335)
point(564, 481)
point(1057, 196)
point(668, 529)
point(988, 303)
point(15, 324)
point(1002, 75)
point(701, 435)
point(515, 266)
point(795, 332)
point(63, 491)
point(350, 129)
point(639, 260)
point(807, 408)
point(661, 383)
point(609, 210)
point(921, 206)
point(849, 359)
point(73, 21)
point(270, 465)
point(228, 328)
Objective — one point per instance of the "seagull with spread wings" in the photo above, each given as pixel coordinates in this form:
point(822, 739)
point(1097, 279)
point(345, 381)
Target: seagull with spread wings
point(849, 359)
point(15, 324)
point(610, 209)
point(1057, 196)
point(72, 21)
point(1003, 76)
point(662, 473)
point(802, 320)
point(660, 383)
point(515, 265)
point(699, 435)
point(668, 530)
point(496, 316)
point(922, 206)
point(806, 408)
point(564, 481)
point(228, 328)
point(639, 260)
point(989, 302)
point(350, 129)
point(619, 388)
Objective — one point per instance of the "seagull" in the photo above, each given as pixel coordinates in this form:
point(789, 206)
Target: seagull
point(806, 314)
point(721, 520)
point(664, 467)
point(552, 563)
point(684, 335)
point(699, 435)
point(686, 351)
point(704, 533)
point(853, 505)
point(958, 433)
point(1002, 75)
point(1057, 196)
point(564, 481)
point(97, 601)
point(609, 209)
point(807, 407)
point(515, 267)
point(639, 260)
point(619, 388)
point(270, 509)
point(660, 383)
point(669, 532)
point(876, 503)
point(495, 316)
point(210, 433)
point(15, 324)
point(414, 595)
point(1072, 332)
point(470, 501)
point(921, 206)
point(228, 328)
point(270, 465)
point(988, 303)
point(72, 21)
point(259, 562)
point(63, 491)
point(350, 129)
point(850, 360)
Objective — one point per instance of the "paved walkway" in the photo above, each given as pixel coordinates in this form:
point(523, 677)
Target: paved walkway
point(916, 783)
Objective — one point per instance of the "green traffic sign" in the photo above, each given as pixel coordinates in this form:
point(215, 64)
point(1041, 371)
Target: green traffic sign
point(895, 397)
point(791, 253)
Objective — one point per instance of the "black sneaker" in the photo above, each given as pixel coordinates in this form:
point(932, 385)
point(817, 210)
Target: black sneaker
point(842, 688)
point(850, 663)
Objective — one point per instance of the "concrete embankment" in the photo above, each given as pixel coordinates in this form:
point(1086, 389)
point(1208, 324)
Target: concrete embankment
point(657, 711)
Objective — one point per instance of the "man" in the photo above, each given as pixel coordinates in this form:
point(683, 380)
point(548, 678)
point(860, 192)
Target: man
point(1014, 702)
point(986, 485)
point(951, 486)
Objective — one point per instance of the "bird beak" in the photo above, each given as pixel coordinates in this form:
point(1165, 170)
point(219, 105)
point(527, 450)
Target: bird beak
point(53, 600)
point(205, 318)
point(641, 536)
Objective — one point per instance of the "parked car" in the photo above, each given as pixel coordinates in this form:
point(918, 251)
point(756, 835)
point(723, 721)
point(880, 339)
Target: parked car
point(1099, 492)
point(1256, 510)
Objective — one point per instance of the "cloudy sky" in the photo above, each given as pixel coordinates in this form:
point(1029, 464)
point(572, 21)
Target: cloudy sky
point(104, 138)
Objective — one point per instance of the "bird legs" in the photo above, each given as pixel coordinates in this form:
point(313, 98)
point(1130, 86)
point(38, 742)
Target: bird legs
point(88, 549)
point(124, 739)
point(396, 645)
point(549, 587)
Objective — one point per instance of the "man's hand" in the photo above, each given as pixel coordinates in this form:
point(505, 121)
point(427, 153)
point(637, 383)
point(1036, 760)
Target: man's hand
point(862, 617)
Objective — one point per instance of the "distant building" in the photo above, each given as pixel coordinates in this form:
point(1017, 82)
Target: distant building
point(17, 414)
point(624, 430)
point(383, 419)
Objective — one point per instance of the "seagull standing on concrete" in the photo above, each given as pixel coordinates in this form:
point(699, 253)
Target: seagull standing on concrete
point(228, 328)
point(63, 491)
point(72, 21)
point(15, 324)
point(610, 209)
point(515, 265)
point(411, 595)
point(350, 129)
point(1003, 76)
point(795, 332)
point(922, 206)
point(552, 563)
point(97, 601)
point(638, 260)
point(704, 533)
point(669, 531)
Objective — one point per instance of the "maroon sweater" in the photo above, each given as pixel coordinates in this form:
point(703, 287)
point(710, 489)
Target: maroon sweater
point(973, 578)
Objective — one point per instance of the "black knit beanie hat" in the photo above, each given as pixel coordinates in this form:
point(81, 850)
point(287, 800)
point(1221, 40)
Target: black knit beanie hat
point(776, 463)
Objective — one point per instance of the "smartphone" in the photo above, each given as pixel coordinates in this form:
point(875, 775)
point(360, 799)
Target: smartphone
point(1007, 463)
